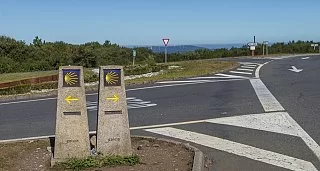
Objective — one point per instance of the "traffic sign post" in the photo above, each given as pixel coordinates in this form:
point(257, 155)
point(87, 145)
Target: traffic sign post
point(265, 46)
point(252, 47)
point(165, 42)
point(72, 130)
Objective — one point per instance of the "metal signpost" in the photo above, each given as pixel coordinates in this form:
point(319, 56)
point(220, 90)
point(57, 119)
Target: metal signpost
point(252, 46)
point(165, 42)
point(134, 54)
point(113, 134)
point(265, 46)
point(72, 130)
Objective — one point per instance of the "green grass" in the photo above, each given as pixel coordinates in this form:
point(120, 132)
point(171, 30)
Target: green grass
point(24, 75)
point(187, 69)
point(99, 161)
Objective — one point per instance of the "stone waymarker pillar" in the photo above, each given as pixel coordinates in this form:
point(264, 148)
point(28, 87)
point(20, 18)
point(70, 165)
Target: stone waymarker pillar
point(72, 130)
point(113, 134)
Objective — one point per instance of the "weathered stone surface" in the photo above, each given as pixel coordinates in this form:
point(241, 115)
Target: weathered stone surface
point(113, 134)
point(72, 130)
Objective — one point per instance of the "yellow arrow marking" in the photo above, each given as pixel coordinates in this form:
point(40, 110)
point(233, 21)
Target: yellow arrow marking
point(69, 99)
point(115, 98)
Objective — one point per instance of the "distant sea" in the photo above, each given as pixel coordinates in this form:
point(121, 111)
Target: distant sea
point(187, 48)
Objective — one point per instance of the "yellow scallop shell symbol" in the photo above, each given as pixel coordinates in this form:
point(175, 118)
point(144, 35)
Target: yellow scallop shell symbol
point(71, 78)
point(112, 78)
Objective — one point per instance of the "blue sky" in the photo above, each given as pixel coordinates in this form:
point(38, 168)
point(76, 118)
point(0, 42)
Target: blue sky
point(146, 22)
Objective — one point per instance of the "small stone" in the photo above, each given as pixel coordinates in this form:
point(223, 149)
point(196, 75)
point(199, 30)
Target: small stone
point(206, 166)
point(176, 155)
point(41, 166)
point(148, 145)
point(93, 140)
point(93, 152)
point(176, 169)
point(156, 145)
point(139, 147)
point(144, 142)
point(49, 149)
point(38, 148)
point(31, 141)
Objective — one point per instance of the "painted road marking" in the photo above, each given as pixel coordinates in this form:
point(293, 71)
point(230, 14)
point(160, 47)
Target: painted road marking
point(243, 150)
point(267, 100)
point(232, 76)
point(237, 72)
point(244, 69)
point(249, 67)
point(249, 63)
point(198, 78)
point(132, 103)
point(272, 122)
point(196, 81)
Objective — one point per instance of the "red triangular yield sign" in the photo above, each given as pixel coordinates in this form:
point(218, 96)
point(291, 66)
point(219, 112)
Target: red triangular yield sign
point(165, 41)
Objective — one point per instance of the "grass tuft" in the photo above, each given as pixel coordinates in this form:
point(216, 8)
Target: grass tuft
point(99, 161)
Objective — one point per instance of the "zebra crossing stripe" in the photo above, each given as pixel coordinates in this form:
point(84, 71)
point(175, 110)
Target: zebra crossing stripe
point(248, 67)
point(244, 69)
point(243, 150)
point(237, 72)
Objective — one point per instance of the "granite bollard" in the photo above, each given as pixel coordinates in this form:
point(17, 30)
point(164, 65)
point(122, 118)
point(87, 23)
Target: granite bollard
point(113, 134)
point(72, 130)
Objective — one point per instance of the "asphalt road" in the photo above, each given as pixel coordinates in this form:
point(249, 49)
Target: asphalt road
point(213, 114)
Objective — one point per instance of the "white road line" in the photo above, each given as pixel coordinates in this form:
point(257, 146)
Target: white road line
point(243, 150)
point(272, 122)
point(170, 82)
point(249, 63)
point(248, 67)
point(312, 144)
point(197, 81)
point(244, 69)
point(198, 78)
point(237, 72)
point(267, 100)
point(258, 69)
point(26, 101)
point(232, 76)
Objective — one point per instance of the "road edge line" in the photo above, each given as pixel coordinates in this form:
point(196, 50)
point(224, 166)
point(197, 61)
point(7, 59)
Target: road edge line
point(307, 139)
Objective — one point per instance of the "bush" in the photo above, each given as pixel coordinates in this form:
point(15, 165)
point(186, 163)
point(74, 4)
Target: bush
point(90, 76)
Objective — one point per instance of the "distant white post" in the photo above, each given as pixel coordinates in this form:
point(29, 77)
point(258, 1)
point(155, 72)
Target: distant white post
point(314, 46)
point(265, 46)
point(165, 42)
point(134, 54)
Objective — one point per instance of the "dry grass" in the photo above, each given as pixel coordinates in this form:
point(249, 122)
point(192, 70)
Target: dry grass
point(24, 75)
point(187, 69)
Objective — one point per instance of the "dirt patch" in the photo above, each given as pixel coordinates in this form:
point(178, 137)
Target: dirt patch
point(154, 155)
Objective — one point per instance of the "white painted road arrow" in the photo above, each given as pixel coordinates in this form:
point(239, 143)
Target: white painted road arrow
point(294, 69)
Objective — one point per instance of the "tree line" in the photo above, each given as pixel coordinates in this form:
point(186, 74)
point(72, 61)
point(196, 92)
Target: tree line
point(18, 56)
